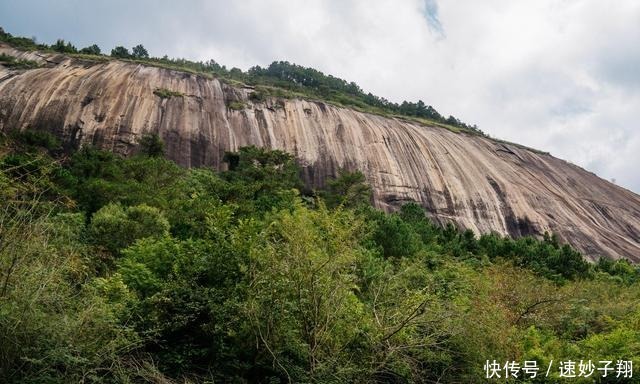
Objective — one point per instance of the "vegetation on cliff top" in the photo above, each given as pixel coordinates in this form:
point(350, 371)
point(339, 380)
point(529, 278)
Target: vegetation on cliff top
point(280, 79)
point(135, 270)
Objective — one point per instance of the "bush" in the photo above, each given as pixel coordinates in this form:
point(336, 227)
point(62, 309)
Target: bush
point(164, 93)
point(249, 282)
point(257, 97)
point(91, 50)
point(151, 145)
point(62, 47)
point(115, 227)
point(15, 63)
point(237, 105)
point(139, 52)
point(349, 189)
point(37, 139)
point(120, 52)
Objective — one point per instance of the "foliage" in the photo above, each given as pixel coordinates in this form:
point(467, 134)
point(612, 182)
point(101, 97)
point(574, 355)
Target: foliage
point(15, 63)
point(64, 47)
point(20, 42)
point(140, 52)
point(120, 52)
point(308, 80)
point(151, 145)
point(348, 189)
point(257, 96)
point(115, 227)
point(164, 93)
point(261, 180)
point(136, 270)
point(30, 140)
point(91, 50)
point(237, 105)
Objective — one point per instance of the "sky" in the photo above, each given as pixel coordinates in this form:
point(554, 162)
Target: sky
point(561, 76)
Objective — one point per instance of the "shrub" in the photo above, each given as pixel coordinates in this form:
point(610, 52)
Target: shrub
point(120, 52)
point(62, 47)
point(151, 145)
point(165, 93)
point(140, 52)
point(37, 139)
point(115, 227)
point(237, 105)
point(91, 50)
point(15, 63)
point(348, 189)
point(257, 96)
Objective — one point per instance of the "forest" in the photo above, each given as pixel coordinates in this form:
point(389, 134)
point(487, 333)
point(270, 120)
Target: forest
point(135, 270)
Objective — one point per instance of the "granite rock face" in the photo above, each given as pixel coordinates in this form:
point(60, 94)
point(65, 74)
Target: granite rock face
point(473, 181)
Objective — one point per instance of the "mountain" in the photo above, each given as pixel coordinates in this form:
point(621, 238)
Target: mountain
point(459, 176)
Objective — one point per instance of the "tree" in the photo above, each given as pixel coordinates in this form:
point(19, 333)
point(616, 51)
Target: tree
point(349, 189)
point(62, 47)
point(262, 179)
point(140, 52)
point(396, 237)
point(115, 227)
point(151, 145)
point(91, 50)
point(302, 298)
point(120, 52)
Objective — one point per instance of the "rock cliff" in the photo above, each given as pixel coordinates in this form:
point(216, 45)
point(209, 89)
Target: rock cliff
point(476, 182)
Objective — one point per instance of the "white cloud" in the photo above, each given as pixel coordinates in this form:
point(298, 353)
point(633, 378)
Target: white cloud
point(561, 76)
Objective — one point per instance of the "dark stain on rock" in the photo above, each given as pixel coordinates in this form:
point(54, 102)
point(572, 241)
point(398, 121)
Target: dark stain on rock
point(451, 208)
point(86, 101)
point(322, 107)
point(515, 226)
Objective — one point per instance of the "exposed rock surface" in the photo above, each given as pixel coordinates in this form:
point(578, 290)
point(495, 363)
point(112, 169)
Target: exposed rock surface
point(476, 182)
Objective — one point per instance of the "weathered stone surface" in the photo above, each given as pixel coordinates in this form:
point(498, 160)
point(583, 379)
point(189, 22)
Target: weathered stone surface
point(476, 182)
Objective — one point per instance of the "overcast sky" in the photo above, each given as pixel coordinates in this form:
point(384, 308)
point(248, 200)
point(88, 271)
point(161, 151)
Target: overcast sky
point(558, 75)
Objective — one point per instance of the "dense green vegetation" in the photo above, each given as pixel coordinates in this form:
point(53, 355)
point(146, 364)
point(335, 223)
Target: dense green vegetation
point(135, 270)
point(280, 78)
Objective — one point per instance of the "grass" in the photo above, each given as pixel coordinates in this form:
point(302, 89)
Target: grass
point(164, 93)
point(91, 57)
point(15, 63)
point(237, 105)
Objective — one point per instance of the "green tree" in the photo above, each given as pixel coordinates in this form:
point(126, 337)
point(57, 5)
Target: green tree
point(91, 50)
point(115, 227)
point(302, 304)
point(63, 47)
point(151, 145)
point(349, 189)
point(394, 236)
point(262, 179)
point(120, 52)
point(139, 52)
